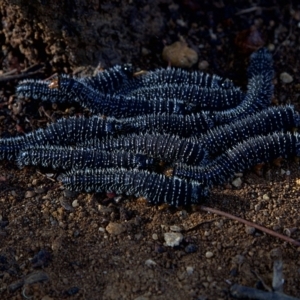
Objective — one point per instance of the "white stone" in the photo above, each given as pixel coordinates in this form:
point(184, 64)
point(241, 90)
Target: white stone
point(173, 239)
point(286, 77)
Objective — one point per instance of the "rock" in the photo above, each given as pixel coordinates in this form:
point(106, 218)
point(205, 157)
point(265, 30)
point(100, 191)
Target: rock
point(286, 77)
point(180, 55)
point(266, 197)
point(75, 203)
point(237, 182)
point(115, 228)
point(257, 207)
point(271, 47)
point(149, 262)
point(209, 254)
point(190, 248)
point(29, 194)
point(173, 239)
point(155, 236)
point(65, 204)
point(189, 270)
point(101, 229)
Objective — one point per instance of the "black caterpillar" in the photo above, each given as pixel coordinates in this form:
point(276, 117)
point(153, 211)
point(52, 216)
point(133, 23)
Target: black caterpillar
point(121, 105)
point(220, 138)
point(67, 158)
point(241, 157)
point(212, 143)
point(156, 188)
point(165, 147)
point(106, 82)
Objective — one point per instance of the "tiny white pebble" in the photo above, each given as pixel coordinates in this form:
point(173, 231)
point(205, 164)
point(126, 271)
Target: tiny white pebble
point(209, 254)
point(189, 270)
point(173, 239)
point(155, 236)
point(237, 182)
point(149, 262)
point(266, 197)
point(75, 203)
point(286, 77)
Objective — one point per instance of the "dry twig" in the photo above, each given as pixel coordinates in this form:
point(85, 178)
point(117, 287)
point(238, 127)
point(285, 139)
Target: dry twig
point(251, 224)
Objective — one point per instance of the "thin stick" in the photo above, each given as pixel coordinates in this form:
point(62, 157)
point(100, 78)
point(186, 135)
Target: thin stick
point(251, 224)
point(19, 76)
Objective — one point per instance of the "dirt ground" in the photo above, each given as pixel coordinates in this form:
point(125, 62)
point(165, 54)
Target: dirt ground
point(55, 244)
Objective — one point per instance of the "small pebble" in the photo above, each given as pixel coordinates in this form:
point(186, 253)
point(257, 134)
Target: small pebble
point(286, 77)
point(209, 254)
point(155, 236)
point(237, 182)
point(266, 197)
point(180, 55)
point(29, 194)
point(75, 203)
point(271, 47)
point(115, 228)
point(257, 207)
point(173, 239)
point(65, 204)
point(34, 182)
point(101, 229)
point(190, 248)
point(189, 270)
point(149, 262)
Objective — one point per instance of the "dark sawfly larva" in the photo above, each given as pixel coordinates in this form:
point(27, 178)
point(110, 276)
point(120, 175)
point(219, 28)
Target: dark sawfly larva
point(156, 188)
point(242, 157)
point(67, 158)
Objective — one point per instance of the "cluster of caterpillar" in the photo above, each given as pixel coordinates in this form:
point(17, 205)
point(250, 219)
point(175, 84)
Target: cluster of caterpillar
point(202, 125)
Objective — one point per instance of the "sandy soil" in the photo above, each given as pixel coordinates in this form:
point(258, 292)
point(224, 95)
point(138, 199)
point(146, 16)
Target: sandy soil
point(60, 245)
